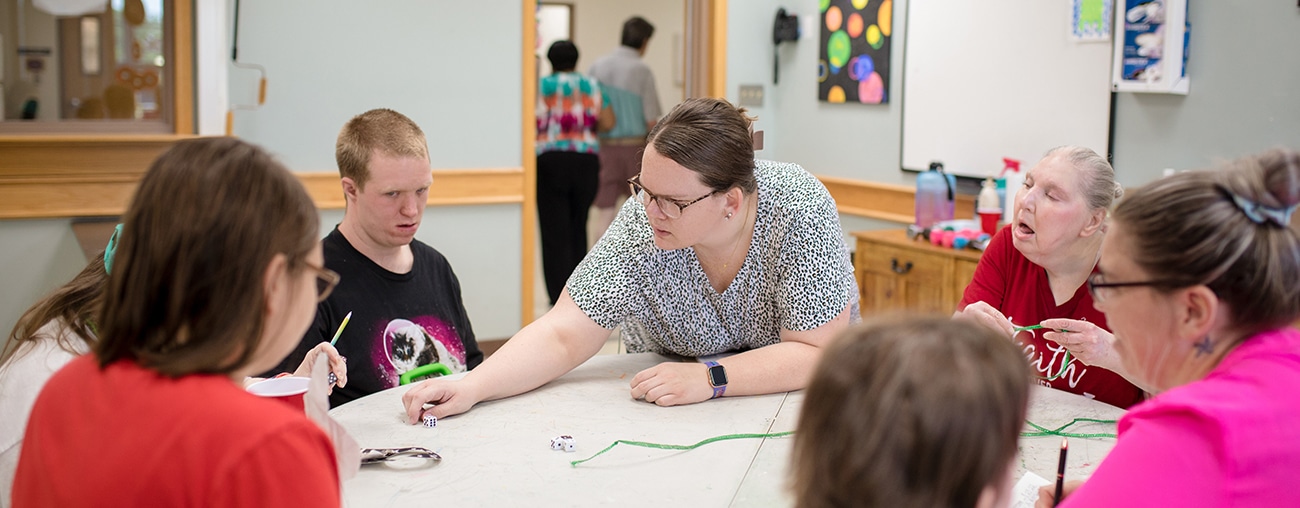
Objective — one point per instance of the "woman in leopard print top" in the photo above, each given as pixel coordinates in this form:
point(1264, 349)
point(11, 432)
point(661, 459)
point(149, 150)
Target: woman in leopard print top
point(715, 253)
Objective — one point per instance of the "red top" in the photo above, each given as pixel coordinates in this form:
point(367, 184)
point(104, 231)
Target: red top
point(1019, 289)
point(128, 436)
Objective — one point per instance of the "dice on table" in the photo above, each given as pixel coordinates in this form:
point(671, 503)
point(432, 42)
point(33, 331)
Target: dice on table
point(563, 443)
point(430, 420)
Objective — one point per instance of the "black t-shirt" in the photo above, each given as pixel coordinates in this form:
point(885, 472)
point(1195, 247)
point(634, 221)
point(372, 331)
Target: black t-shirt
point(400, 321)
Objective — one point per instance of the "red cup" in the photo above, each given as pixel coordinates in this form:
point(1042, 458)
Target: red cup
point(289, 390)
point(989, 220)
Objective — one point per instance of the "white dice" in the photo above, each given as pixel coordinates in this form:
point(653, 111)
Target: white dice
point(563, 443)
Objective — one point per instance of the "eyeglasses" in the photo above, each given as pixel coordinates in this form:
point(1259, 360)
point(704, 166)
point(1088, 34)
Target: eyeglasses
point(1099, 288)
point(670, 207)
point(326, 280)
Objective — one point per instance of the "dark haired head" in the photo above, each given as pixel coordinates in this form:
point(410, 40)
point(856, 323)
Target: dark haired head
point(563, 56)
point(636, 32)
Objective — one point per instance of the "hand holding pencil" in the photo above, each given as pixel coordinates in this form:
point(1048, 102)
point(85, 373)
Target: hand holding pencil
point(1051, 498)
point(338, 365)
point(1046, 493)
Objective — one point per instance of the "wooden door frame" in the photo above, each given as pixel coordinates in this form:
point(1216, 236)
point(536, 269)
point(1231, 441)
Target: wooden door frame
point(716, 85)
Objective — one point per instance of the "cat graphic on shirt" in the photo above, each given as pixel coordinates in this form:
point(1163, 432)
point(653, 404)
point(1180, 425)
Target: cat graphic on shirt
point(412, 346)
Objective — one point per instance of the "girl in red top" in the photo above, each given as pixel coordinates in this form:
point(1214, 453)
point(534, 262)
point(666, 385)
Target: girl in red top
point(1034, 270)
point(204, 290)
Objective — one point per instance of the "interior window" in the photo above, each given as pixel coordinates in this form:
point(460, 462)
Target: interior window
point(71, 66)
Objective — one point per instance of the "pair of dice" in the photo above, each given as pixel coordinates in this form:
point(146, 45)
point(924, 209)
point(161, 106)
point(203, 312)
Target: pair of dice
point(563, 443)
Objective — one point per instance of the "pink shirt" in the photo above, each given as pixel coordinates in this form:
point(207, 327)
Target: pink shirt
point(1226, 440)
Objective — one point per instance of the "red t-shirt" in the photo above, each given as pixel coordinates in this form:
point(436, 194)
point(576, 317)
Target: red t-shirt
point(1019, 289)
point(128, 436)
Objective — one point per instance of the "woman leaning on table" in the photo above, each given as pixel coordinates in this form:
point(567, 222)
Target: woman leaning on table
point(1198, 278)
point(717, 252)
point(1034, 270)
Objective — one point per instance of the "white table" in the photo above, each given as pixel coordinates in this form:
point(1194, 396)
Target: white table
point(498, 454)
point(1053, 408)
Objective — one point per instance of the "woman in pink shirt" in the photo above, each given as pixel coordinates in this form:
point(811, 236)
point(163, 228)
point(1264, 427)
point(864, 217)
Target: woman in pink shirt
point(1198, 280)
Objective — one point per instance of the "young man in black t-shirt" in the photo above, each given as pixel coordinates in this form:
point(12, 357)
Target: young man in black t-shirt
point(404, 298)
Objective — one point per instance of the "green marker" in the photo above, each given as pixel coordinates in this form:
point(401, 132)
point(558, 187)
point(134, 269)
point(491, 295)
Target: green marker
point(1017, 329)
point(342, 325)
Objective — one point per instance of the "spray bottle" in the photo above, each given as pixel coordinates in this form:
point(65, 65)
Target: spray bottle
point(1011, 180)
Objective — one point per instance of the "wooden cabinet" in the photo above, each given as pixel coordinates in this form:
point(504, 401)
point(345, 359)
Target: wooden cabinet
point(895, 273)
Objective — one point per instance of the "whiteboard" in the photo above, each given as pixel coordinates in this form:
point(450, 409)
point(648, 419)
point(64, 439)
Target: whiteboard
point(999, 78)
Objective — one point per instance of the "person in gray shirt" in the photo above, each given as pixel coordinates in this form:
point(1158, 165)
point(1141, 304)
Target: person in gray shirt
point(630, 86)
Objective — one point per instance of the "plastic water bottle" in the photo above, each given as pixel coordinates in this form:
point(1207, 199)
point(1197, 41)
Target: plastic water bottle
point(988, 208)
point(935, 196)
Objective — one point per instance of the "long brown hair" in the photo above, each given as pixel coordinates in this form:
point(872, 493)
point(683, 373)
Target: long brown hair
point(187, 294)
point(910, 411)
point(74, 304)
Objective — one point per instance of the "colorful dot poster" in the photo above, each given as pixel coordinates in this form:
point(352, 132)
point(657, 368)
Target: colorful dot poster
point(854, 64)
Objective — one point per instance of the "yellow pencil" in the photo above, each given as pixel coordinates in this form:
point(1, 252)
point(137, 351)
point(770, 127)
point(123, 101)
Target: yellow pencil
point(342, 325)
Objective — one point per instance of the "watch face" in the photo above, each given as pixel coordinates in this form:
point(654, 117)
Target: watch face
point(717, 375)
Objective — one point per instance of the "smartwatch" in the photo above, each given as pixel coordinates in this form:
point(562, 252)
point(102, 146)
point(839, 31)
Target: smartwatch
point(717, 378)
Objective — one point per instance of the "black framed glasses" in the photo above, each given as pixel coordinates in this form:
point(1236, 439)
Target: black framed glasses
point(1100, 289)
point(671, 207)
point(326, 280)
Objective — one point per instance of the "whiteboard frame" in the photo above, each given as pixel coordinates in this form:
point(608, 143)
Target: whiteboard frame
point(999, 78)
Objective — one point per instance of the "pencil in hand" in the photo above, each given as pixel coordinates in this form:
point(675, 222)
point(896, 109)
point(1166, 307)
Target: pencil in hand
point(1060, 472)
point(342, 325)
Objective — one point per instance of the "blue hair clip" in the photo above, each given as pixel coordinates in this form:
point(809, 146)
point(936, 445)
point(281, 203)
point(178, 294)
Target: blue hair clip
point(1260, 214)
point(111, 249)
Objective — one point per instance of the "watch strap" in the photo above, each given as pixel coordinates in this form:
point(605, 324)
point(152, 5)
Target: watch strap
point(718, 390)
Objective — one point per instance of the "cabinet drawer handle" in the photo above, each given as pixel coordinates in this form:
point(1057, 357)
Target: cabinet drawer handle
point(901, 270)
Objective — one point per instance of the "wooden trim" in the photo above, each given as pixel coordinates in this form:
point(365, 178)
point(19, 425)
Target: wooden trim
point(94, 176)
point(51, 155)
point(450, 187)
point(527, 136)
point(49, 176)
point(718, 50)
point(38, 198)
point(183, 66)
point(894, 203)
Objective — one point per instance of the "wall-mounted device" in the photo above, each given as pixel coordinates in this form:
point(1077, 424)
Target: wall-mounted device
point(1150, 51)
point(786, 28)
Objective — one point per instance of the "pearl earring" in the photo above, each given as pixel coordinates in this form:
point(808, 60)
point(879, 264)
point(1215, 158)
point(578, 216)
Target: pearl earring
point(728, 215)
